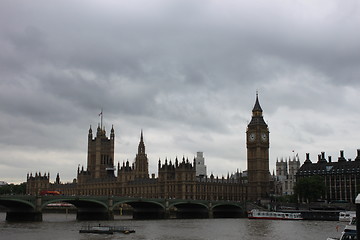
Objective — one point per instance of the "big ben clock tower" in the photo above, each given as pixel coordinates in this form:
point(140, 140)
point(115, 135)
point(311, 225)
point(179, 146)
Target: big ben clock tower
point(257, 144)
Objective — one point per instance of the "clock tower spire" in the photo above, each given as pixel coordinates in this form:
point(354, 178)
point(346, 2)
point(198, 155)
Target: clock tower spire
point(257, 143)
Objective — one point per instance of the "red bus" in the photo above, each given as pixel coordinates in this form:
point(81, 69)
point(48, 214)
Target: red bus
point(47, 192)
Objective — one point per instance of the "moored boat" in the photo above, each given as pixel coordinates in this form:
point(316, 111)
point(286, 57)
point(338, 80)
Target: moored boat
point(349, 233)
point(346, 216)
point(122, 229)
point(106, 229)
point(257, 214)
point(96, 229)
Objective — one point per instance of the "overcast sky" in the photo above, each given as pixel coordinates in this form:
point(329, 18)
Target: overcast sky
point(185, 72)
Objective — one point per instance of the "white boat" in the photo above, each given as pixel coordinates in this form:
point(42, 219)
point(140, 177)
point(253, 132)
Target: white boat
point(346, 216)
point(106, 229)
point(349, 233)
point(96, 229)
point(257, 214)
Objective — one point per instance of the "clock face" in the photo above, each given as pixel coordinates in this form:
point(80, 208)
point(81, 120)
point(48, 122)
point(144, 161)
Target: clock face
point(263, 137)
point(252, 137)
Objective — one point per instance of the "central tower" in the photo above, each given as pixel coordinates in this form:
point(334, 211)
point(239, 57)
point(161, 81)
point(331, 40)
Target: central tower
point(100, 159)
point(257, 144)
point(141, 161)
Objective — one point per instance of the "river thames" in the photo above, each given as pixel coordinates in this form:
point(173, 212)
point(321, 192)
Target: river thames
point(65, 226)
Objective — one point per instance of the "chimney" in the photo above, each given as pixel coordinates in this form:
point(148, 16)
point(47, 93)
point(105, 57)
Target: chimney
point(358, 155)
point(329, 159)
point(341, 158)
point(323, 159)
point(307, 160)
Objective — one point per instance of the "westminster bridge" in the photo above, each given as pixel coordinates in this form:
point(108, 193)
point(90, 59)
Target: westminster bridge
point(30, 208)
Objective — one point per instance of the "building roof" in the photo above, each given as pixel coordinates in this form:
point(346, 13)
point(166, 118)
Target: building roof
point(257, 118)
point(324, 167)
point(257, 107)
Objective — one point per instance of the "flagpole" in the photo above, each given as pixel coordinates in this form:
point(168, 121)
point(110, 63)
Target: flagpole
point(101, 121)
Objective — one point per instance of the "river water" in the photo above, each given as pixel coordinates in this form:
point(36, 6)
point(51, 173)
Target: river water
point(65, 226)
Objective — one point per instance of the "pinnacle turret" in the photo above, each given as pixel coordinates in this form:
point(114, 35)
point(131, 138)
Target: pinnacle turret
point(141, 148)
point(112, 132)
point(257, 108)
point(257, 117)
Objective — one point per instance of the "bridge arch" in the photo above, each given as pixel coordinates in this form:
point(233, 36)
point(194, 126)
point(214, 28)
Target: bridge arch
point(181, 203)
point(188, 209)
point(134, 202)
point(86, 208)
point(144, 209)
point(227, 210)
point(21, 209)
point(17, 204)
point(78, 203)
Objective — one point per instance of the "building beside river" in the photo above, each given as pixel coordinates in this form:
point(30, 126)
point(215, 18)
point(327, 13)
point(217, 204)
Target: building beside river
point(181, 178)
point(286, 175)
point(341, 178)
point(176, 179)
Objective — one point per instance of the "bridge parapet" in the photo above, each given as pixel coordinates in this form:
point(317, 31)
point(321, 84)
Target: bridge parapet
point(102, 207)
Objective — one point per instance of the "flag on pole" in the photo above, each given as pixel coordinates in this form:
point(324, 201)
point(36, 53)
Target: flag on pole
point(101, 118)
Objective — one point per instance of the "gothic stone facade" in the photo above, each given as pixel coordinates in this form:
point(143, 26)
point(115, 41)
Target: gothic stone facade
point(286, 175)
point(176, 179)
point(258, 155)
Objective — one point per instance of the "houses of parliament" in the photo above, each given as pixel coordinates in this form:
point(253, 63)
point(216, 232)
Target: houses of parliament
point(177, 179)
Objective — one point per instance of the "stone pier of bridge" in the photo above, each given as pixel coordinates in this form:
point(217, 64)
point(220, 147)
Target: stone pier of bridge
point(23, 210)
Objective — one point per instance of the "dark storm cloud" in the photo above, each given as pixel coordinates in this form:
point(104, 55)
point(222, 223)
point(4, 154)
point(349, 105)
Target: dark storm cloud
point(173, 67)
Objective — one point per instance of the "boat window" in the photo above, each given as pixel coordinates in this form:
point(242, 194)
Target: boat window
point(348, 237)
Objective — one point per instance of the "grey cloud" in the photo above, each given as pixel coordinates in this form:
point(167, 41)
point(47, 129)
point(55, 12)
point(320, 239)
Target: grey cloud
point(175, 67)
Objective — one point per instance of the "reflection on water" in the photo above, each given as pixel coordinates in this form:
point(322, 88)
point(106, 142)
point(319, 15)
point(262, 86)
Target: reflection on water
point(254, 226)
point(62, 226)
